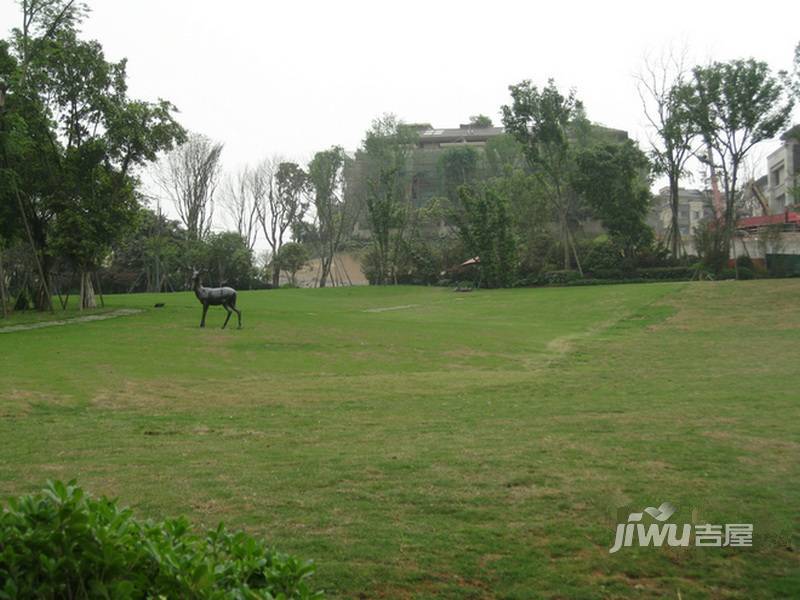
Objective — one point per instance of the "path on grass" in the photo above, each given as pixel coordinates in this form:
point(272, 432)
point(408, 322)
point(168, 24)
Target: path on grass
point(120, 312)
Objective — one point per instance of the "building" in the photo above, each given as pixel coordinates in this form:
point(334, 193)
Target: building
point(425, 159)
point(694, 207)
point(783, 173)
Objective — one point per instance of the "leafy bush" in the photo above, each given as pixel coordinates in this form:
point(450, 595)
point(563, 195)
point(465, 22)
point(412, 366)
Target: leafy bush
point(608, 274)
point(559, 277)
point(62, 543)
point(602, 256)
point(667, 273)
point(744, 261)
point(746, 273)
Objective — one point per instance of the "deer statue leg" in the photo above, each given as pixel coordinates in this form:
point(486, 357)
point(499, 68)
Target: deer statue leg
point(228, 310)
point(236, 310)
point(205, 310)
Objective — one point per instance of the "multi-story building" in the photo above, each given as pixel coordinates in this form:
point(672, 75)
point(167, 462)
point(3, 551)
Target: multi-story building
point(694, 207)
point(783, 173)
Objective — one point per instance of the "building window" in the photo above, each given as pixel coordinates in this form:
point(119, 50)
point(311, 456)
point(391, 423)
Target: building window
point(777, 175)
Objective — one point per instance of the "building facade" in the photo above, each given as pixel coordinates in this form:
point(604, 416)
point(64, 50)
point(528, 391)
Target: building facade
point(783, 173)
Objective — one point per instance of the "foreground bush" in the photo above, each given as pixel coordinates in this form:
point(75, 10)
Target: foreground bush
point(62, 543)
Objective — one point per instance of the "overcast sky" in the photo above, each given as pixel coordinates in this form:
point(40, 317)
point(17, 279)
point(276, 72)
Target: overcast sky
point(294, 77)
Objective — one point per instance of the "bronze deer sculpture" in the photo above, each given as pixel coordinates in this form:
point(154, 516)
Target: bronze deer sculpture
point(222, 296)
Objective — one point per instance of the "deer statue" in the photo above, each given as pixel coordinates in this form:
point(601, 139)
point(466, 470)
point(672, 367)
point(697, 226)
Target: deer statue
point(224, 296)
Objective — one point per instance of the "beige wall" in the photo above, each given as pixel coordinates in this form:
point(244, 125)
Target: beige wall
point(346, 270)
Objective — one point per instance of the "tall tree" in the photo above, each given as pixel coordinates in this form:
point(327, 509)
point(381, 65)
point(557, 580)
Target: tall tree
point(241, 204)
point(387, 150)
point(189, 176)
point(735, 105)
point(664, 91)
point(542, 120)
point(282, 189)
point(335, 218)
point(74, 175)
point(486, 229)
point(459, 166)
point(614, 180)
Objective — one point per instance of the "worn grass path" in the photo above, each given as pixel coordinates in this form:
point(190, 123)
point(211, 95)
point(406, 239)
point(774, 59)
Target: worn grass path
point(463, 446)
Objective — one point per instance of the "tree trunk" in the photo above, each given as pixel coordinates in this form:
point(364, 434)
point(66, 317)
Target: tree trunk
point(674, 202)
point(87, 299)
point(3, 295)
point(276, 276)
point(325, 265)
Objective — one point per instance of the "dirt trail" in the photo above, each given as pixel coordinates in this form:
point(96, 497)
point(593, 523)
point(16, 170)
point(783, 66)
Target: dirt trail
point(121, 312)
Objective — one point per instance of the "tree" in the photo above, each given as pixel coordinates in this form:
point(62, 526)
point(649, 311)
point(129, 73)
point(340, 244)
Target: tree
point(459, 166)
point(503, 153)
point(480, 122)
point(241, 204)
point(228, 260)
point(189, 176)
point(291, 258)
point(77, 142)
point(282, 189)
point(736, 105)
point(613, 179)
point(665, 93)
point(386, 150)
point(486, 228)
point(334, 218)
point(541, 122)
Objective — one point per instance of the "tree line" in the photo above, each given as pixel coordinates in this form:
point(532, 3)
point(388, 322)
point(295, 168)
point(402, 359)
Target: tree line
point(75, 148)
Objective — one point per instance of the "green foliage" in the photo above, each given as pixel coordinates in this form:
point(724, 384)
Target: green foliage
point(709, 241)
point(480, 121)
point(503, 153)
point(385, 153)
point(735, 105)
point(72, 139)
point(667, 273)
point(335, 216)
point(603, 254)
point(62, 543)
point(559, 277)
point(226, 258)
point(548, 125)
point(486, 228)
point(291, 258)
point(613, 179)
point(458, 166)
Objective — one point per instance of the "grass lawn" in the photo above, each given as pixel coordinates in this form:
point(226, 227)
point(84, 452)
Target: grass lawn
point(421, 443)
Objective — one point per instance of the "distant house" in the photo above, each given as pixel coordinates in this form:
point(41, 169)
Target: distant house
point(783, 172)
point(694, 207)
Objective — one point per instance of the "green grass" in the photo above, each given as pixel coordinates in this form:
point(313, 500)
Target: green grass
point(464, 446)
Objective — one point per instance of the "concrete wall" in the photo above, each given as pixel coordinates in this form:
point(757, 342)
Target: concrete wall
point(346, 270)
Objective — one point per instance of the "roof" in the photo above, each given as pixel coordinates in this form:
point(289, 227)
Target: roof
point(476, 134)
point(787, 217)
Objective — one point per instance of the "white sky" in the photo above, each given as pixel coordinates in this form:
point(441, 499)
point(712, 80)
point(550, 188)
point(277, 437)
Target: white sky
point(294, 77)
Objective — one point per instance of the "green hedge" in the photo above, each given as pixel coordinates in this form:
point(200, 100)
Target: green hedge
point(62, 543)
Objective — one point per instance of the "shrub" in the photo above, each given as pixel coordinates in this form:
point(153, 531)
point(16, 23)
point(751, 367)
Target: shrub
point(62, 543)
point(602, 256)
point(745, 262)
point(608, 274)
point(667, 273)
point(559, 277)
point(745, 273)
